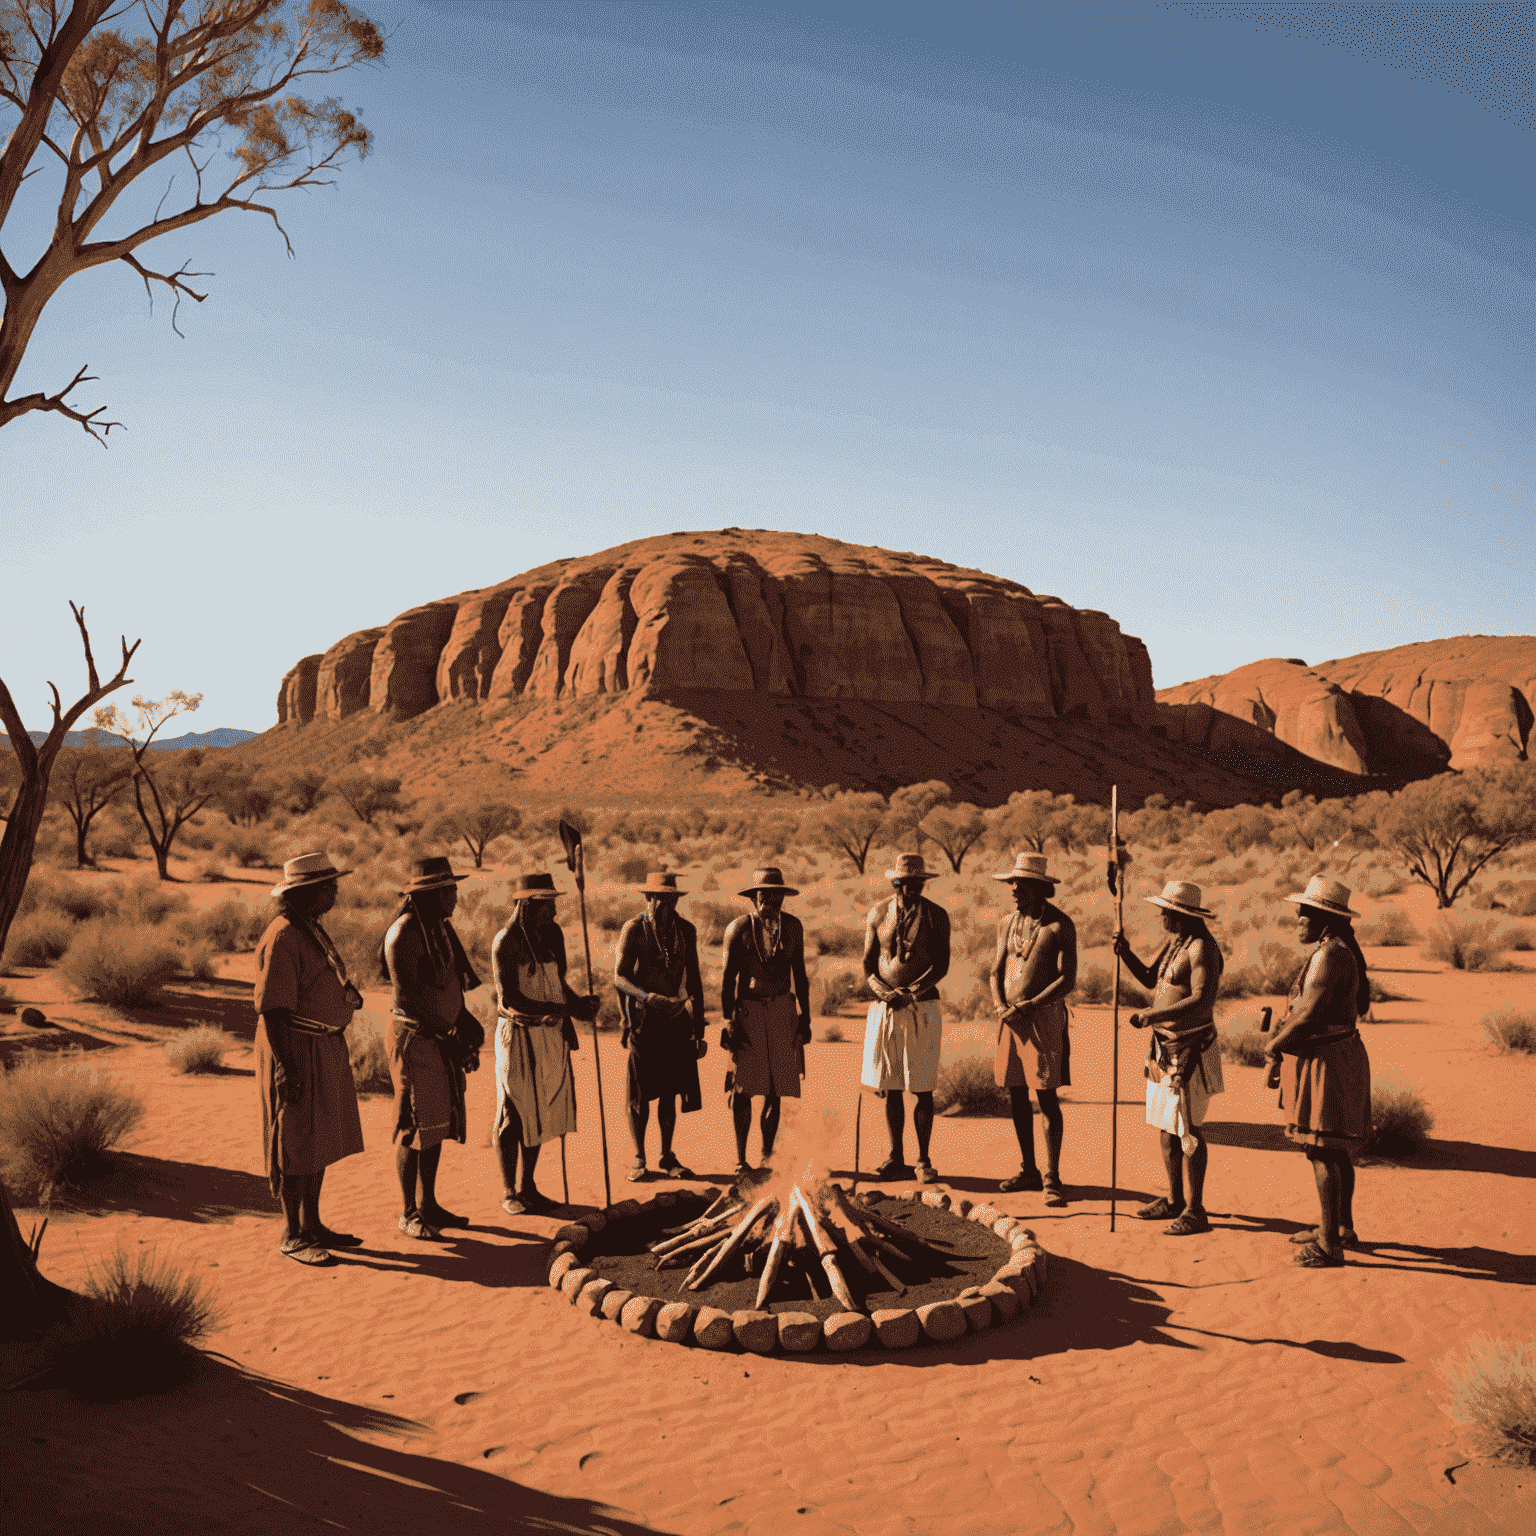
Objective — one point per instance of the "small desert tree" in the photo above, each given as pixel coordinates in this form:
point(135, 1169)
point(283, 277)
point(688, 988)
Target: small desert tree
point(86, 780)
point(956, 829)
point(35, 766)
point(304, 791)
point(208, 85)
point(477, 828)
point(850, 823)
point(243, 797)
point(1445, 829)
point(909, 807)
point(1030, 819)
point(169, 788)
point(369, 795)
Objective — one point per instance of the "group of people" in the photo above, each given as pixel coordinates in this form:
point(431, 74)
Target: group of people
point(305, 1001)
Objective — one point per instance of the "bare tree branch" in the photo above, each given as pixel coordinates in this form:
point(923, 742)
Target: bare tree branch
point(10, 409)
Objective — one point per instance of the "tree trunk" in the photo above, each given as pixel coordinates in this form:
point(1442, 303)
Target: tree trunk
point(16, 849)
point(27, 1301)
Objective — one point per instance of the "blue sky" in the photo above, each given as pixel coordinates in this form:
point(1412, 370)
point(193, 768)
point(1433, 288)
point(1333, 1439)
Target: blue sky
point(1221, 327)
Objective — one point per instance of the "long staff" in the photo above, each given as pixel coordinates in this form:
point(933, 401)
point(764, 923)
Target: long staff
point(858, 1118)
point(1114, 873)
point(575, 859)
point(565, 1178)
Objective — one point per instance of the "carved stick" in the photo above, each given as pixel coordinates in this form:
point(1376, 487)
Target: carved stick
point(731, 1244)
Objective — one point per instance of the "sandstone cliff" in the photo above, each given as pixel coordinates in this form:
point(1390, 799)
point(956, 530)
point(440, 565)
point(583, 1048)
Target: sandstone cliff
point(1403, 713)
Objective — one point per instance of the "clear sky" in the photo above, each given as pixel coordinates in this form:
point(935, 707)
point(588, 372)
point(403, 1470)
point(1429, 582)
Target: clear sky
point(1215, 317)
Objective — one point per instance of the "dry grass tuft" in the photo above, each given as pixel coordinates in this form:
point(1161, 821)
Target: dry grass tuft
point(1493, 1389)
point(840, 939)
point(1466, 943)
point(199, 1050)
point(1096, 984)
point(833, 1033)
point(39, 938)
point(1400, 1120)
point(369, 1057)
point(123, 964)
point(58, 1121)
point(1511, 1030)
point(967, 1087)
point(1247, 1047)
point(1390, 928)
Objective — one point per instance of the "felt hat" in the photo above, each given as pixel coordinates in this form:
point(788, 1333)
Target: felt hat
point(768, 879)
point(308, 869)
point(534, 887)
point(660, 882)
point(1029, 866)
point(435, 874)
point(909, 866)
point(1180, 896)
point(1326, 896)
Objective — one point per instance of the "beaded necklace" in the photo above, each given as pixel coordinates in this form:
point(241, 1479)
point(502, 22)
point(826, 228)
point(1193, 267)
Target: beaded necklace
point(1016, 941)
point(1176, 947)
point(908, 926)
point(774, 932)
point(669, 957)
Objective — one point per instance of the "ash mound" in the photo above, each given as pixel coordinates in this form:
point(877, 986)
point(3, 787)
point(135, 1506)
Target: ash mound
point(1407, 712)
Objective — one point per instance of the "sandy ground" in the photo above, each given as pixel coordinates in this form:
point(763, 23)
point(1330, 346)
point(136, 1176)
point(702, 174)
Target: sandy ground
point(1159, 1386)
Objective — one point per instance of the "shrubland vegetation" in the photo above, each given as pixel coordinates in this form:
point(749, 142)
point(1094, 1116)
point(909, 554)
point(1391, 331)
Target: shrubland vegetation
point(1493, 1391)
point(59, 1120)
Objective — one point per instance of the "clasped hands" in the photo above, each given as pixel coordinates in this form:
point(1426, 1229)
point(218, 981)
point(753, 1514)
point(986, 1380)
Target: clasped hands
point(1014, 1013)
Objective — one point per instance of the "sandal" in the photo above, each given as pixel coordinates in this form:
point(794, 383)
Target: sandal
point(414, 1226)
point(1025, 1180)
point(926, 1173)
point(1314, 1257)
point(438, 1217)
point(304, 1250)
point(638, 1172)
point(1160, 1210)
point(1054, 1193)
point(892, 1169)
point(325, 1238)
point(1346, 1236)
point(673, 1169)
point(1190, 1224)
point(535, 1203)
point(512, 1205)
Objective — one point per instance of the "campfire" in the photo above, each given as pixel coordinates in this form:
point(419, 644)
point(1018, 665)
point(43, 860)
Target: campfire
point(803, 1234)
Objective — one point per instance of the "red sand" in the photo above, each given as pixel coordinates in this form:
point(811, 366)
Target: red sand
point(1158, 1386)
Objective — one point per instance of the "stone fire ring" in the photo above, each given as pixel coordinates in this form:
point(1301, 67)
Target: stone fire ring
point(1003, 1299)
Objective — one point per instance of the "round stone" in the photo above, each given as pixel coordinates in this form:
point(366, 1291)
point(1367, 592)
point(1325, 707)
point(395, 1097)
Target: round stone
point(33, 1018)
point(593, 1221)
point(937, 1199)
point(847, 1330)
point(622, 1210)
point(615, 1302)
point(942, 1320)
point(591, 1299)
point(756, 1331)
point(639, 1316)
point(799, 1332)
point(1006, 1227)
point(977, 1309)
point(897, 1327)
point(984, 1213)
point(674, 1322)
point(1005, 1300)
point(714, 1329)
point(961, 1208)
point(573, 1234)
point(572, 1282)
point(557, 1270)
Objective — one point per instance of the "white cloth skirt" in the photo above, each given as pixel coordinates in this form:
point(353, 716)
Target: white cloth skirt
point(901, 1047)
point(533, 1074)
point(1165, 1109)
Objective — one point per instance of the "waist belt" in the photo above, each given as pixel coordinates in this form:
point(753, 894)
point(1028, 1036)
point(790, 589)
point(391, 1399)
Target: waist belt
point(418, 1027)
point(315, 1027)
point(531, 1021)
point(1320, 1043)
point(764, 997)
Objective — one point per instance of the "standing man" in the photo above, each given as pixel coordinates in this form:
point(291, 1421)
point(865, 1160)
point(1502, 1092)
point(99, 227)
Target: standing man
point(766, 996)
point(906, 956)
point(535, 1092)
point(432, 1040)
point(1183, 1061)
point(656, 970)
point(304, 1003)
point(1323, 1068)
point(1033, 971)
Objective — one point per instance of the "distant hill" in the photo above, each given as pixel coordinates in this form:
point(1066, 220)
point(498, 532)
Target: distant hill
point(225, 736)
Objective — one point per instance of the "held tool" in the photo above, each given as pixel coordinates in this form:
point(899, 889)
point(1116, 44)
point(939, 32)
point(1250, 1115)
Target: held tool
point(1273, 1079)
point(576, 862)
point(1114, 872)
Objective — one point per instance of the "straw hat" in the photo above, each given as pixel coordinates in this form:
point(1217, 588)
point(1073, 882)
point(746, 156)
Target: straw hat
point(430, 875)
point(535, 887)
point(1180, 896)
point(1326, 896)
point(660, 882)
point(1029, 866)
point(768, 879)
point(909, 866)
point(308, 869)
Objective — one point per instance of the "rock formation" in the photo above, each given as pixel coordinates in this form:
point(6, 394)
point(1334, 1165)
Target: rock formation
point(1404, 713)
point(739, 611)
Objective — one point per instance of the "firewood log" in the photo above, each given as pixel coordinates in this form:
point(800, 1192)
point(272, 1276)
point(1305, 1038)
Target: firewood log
point(730, 1245)
point(775, 1253)
point(889, 1278)
point(675, 1257)
point(880, 1224)
point(686, 1237)
point(828, 1251)
point(707, 1257)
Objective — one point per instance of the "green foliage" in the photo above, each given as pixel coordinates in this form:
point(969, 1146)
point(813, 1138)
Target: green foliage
point(1400, 1120)
point(1466, 943)
point(1511, 1029)
point(1263, 966)
point(248, 849)
point(59, 1119)
point(199, 1050)
point(632, 871)
point(1493, 1390)
point(967, 1087)
point(368, 1053)
point(119, 963)
point(832, 993)
point(1390, 928)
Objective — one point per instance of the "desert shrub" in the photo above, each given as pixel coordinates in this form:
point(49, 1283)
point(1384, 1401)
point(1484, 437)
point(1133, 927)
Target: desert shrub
point(118, 963)
point(369, 1055)
point(117, 839)
point(357, 935)
point(969, 1003)
point(1400, 1120)
point(137, 1331)
point(632, 871)
point(1246, 1047)
point(833, 1033)
point(198, 962)
point(198, 838)
point(232, 927)
point(1378, 882)
point(199, 1050)
point(712, 918)
point(247, 848)
point(611, 910)
point(966, 1087)
point(1270, 969)
point(843, 939)
point(1493, 1389)
point(146, 900)
point(1390, 928)
point(1518, 936)
point(831, 994)
point(211, 871)
point(58, 1121)
point(1466, 943)
point(1511, 1029)
point(1382, 994)
point(1095, 931)
point(7, 1002)
point(1096, 985)
point(74, 899)
point(39, 938)
point(1519, 897)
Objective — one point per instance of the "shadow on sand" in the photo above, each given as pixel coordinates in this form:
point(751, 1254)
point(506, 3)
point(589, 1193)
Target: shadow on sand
point(224, 1004)
point(284, 1458)
point(157, 1186)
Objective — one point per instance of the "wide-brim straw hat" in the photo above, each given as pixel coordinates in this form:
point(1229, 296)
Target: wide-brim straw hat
point(1029, 866)
point(535, 887)
point(1326, 896)
point(660, 882)
point(1180, 896)
point(434, 874)
point(909, 866)
point(768, 879)
point(308, 869)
